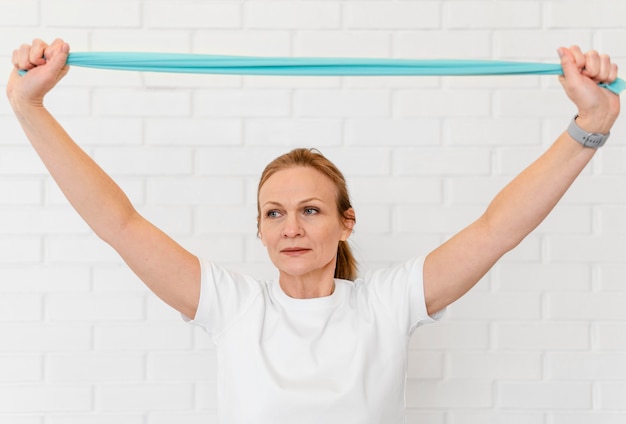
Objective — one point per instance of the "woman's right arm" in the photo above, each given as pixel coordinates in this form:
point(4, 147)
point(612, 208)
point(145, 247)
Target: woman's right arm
point(169, 270)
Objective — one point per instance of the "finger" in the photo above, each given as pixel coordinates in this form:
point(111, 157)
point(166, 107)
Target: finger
point(613, 73)
point(579, 56)
point(569, 64)
point(36, 54)
point(605, 69)
point(592, 66)
point(23, 57)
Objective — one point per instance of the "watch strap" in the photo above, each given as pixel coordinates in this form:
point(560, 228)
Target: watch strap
point(587, 139)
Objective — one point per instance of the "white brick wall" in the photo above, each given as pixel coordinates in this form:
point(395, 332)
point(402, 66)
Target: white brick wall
point(539, 341)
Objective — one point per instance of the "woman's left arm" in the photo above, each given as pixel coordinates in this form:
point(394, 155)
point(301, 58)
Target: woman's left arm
point(457, 265)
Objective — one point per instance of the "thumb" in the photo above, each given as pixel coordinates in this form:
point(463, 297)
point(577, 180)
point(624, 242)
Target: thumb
point(571, 71)
point(56, 55)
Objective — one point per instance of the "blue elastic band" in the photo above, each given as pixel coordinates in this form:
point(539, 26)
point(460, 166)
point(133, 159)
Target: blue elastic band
point(304, 66)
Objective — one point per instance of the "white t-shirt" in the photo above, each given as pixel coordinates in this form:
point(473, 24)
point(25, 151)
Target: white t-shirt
point(336, 359)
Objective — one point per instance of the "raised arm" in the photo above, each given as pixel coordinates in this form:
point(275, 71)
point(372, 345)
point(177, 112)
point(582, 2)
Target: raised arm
point(170, 271)
point(457, 265)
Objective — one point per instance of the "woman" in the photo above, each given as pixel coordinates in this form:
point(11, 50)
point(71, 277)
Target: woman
point(313, 346)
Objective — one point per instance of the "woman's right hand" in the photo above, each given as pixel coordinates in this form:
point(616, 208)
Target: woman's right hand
point(45, 65)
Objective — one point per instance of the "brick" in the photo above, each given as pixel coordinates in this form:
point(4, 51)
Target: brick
point(194, 191)
point(495, 416)
point(610, 219)
point(609, 336)
point(69, 249)
point(68, 307)
point(491, 131)
point(20, 307)
point(611, 395)
point(429, 161)
point(485, 14)
point(138, 161)
point(183, 418)
point(434, 219)
point(289, 132)
point(452, 335)
point(533, 45)
point(139, 40)
point(95, 13)
point(20, 250)
point(17, 13)
point(242, 43)
point(497, 306)
point(147, 336)
point(511, 276)
point(586, 248)
point(611, 277)
point(164, 366)
point(584, 366)
point(330, 43)
point(141, 103)
point(541, 335)
point(37, 337)
point(543, 395)
point(494, 365)
point(248, 161)
point(99, 418)
point(29, 220)
point(20, 192)
point(345, 103)
point(433, 103)
point(89, 131)
point(20, 161)
point(393, 132)
point(586, 417)
point(433, 44)
point(448, 394)
point(44, 279)
point(194, 132)
point(395, 15)
point(225, 219)
point(290, 15)
point(586, 306)
point(93, 368)
point(20, 369)
point(573, 15)
point(425, 365)
point(231, 103)
point(192, 14)
point(49, 399)
point(144, 397)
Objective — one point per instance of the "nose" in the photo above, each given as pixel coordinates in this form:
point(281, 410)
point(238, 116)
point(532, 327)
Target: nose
point(292, 227)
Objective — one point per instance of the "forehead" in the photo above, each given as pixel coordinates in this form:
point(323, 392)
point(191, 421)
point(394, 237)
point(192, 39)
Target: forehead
point(300, 182)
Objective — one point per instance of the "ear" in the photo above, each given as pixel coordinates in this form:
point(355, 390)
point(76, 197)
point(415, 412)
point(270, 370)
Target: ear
point(349, 220)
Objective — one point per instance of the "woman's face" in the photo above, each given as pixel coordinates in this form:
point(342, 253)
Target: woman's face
point(299, 223)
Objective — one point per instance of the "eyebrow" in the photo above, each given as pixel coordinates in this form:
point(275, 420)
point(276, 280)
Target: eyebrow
point(301, 202)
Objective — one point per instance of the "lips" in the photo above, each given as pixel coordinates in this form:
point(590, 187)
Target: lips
point(295, 251)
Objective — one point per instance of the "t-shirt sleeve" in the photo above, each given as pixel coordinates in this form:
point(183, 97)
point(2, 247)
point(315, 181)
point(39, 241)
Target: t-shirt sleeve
point(401, 289)
point(224, 295)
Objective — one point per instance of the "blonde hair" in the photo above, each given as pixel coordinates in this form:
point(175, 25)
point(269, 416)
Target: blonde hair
point(346, 267)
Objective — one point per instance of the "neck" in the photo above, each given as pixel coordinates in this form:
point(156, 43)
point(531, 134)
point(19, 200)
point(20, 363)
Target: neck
point(309, 286)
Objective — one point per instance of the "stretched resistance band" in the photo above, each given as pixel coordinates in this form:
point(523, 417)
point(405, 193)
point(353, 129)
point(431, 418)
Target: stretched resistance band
point(303, 66)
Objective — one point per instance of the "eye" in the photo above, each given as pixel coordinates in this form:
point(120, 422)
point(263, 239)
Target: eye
point(310, 211)
point(273, 213)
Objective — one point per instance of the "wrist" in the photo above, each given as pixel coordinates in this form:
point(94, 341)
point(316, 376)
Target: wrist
point(591, 139)
point(600, 125)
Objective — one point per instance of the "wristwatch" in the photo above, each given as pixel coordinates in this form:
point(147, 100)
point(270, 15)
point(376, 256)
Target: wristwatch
point(587, 139)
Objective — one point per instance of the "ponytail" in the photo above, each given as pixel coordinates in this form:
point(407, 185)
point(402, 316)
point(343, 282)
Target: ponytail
point(346, 267)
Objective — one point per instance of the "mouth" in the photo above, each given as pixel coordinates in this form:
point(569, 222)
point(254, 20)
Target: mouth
point(295, 251)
